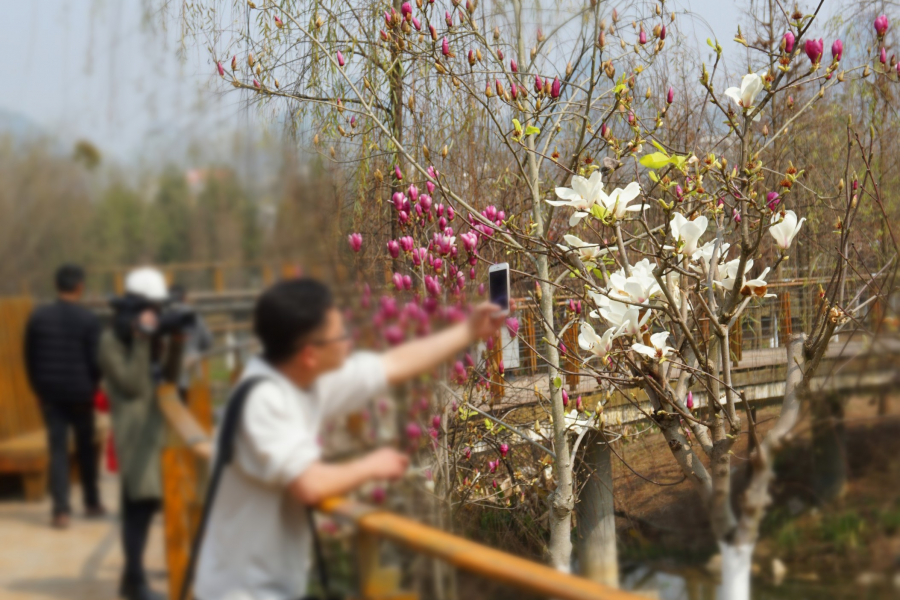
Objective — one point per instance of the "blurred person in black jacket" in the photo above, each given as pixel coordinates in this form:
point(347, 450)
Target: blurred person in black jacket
point(61, 344)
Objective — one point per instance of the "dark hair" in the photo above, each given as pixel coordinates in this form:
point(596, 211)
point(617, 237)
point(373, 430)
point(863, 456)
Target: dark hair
point(68, 278)
point(287, 313)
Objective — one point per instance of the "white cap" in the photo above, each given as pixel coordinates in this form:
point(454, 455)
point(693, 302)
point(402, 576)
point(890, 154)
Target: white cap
point(147, 282)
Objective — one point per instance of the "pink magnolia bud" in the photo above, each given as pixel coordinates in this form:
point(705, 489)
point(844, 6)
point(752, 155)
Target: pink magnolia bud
point(256, 83)
point(450, 213)
point(393, 247)
point(433, 33)
point(562, 349)
point(438, 263)
point(554, 89)
point(425, 202)
point(690, 401)
point(430, 187)
point(772, 200)
point(355, 240)
point(500, 368)
point(279, 23)
point(481, 289)
point(499, 53)
point(436, 421)
point(512, 325)
point(445, 47)
point(387, 18)
point(403, 217)
point(467, 452)
point(504, 450)
point(384, 35)
point(442, 222)
point(513, 65)
point(579, 405)
point(406, 243)
point(788, 41)
point(407, 282)
point(735, 215)
point(630, 118)
point(234, 63)
point(662, 32)
point(492, 465)
point(494, 483)
point(448, 18)
point(413, 193)
point(837, 50)
point(220, 68)
point(642, 37)
point(472, 274)
point(413, 431)
point(881, 25)
point(814, 50)
point(397, 280)
point(670, 96)
point(565, 398)
point(882, 57)
point(513, 91)
point(538, 84)
point(340, 58)
point(406, 10)
point(417, 24)
point(604, 130)
point(398, 173)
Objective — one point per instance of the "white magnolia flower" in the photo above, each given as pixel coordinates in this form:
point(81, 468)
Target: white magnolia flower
point(625, 316)
point(751, 85)
point(643, 268)
point(688, 232)
point(705, 252)
point(658, 350)
point(595, 344)
point(583, 194)
point(588, 253)
point(784, 227)
point(757, 286)
point(640, 287)
point(729, 272)
point(616, 203)
point(576, 422)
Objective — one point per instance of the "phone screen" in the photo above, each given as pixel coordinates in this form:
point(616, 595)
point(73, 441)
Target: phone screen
point(499, 284)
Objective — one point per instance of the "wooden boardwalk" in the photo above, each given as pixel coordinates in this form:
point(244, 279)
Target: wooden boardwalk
point(83, 562)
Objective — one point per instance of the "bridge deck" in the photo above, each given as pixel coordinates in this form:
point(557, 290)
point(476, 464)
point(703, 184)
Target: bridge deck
point(81, 563)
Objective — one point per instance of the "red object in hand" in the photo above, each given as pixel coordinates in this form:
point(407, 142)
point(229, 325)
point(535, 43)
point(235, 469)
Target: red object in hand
point(101, 403)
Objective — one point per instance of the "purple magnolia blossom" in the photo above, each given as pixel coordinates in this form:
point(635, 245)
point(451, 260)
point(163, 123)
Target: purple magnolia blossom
point(788, 41)
point(417, 24)
point(512, 325)
point(579, 405)
point(837, 50)
point(470, 241)
point(406, 243)
point(398, 173)
point(565, 398)
point(735, 215)
point(436, 421)
point(814, 50)
point(340, 58)
point(881, 25)
point(538, 84)
point(772, 200)
point(220, 68)
point(662, 32)
point(513, 65)
point(642, 37)
point(467, 452)
point(445, 47)
point(355, 240)
point(670, 96)
point(413, 431)
point(882, 57)
point(413, 193)
point(504, 450)
point(397, 280)
point(393, 247)
point(406, 10)
point(554, 89)
point(492, 465)
point(690, 401)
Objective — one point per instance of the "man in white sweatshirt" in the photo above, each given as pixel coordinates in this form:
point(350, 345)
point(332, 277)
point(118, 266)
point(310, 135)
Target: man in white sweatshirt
point(257, 543)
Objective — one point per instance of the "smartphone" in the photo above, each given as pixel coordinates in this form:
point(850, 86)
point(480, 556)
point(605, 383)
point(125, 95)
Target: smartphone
point(498, 279)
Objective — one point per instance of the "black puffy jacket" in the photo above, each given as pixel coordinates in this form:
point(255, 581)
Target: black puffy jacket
point(61, 344)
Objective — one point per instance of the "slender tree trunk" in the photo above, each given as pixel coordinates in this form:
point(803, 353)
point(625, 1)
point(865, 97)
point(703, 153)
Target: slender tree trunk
point(596, 540)
point(829, 448)
point(395, 78)
point(736, 564)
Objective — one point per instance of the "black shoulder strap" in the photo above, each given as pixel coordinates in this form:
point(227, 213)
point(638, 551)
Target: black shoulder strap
point(224, 454)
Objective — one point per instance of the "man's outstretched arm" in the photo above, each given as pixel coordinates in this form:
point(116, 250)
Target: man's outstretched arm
point(323, 480)
point(420, 356)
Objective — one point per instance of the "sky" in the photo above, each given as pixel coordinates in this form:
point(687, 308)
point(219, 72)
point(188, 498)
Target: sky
point(108, 72)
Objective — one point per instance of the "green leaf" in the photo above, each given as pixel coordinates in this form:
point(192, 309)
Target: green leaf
point(518, 126)
point(557, 382)
point(659, 147)
point(598, 212)
point(657, 160)
point(532, 130)
point(653, 177)
point(709, 43)
point(488, 424)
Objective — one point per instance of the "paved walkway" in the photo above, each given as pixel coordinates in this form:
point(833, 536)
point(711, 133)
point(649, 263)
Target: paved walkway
point(81, 563)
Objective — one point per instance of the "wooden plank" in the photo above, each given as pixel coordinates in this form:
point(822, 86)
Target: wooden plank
point(180, 498)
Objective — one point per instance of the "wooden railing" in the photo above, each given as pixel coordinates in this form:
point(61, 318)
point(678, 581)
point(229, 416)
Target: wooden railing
point(185, 462)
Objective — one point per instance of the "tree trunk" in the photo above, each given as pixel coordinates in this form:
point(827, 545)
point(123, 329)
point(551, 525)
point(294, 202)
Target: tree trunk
point(736, 563)
point(829, 448)
point(596, 541)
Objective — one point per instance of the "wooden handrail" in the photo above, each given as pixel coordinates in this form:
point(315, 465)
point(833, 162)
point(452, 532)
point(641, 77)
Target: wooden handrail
point(520, 573)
